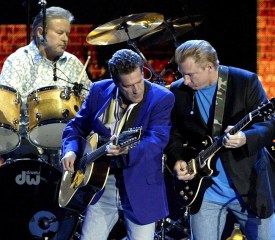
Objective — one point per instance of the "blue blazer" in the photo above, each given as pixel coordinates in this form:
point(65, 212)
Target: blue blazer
point(143, 166)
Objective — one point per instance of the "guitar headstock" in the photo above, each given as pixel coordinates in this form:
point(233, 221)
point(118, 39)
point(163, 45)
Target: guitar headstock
point(130, 137)
point(265, 110)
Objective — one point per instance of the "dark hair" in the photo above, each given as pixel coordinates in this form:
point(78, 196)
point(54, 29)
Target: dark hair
point(51, 13)
point(124, 61)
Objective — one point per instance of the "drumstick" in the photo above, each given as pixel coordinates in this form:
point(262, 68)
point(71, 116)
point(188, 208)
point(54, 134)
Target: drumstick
point(83, 69)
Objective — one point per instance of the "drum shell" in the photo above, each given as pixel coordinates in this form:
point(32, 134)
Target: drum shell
point(9, 119)
point(51, 105)
point(50, 108)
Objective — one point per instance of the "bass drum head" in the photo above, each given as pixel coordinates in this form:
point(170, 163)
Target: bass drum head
point(28, 202)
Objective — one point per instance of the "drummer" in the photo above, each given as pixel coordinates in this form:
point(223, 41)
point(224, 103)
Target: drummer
point(44, 62)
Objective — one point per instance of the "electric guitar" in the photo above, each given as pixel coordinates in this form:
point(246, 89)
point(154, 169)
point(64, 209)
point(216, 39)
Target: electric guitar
point(201, 165)
point(83, 187)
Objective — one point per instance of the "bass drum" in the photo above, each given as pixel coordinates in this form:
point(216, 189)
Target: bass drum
point(28, 202)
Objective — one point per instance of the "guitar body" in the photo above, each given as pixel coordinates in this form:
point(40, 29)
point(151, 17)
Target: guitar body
point(191, 192)
point(80, 196)
point(86, 184)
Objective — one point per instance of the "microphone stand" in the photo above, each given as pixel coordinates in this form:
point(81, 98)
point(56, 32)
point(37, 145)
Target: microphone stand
point(189, 19)
point(43, 4)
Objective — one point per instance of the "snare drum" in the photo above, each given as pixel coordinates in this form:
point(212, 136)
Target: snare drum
point(50, 109)
point(9, 119)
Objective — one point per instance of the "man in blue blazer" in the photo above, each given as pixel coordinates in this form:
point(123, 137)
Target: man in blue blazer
point(135, 185)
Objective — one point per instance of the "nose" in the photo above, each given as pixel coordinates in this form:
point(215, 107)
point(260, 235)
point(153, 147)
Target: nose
point(65, 37)
point(135, 88)
point(187, 80)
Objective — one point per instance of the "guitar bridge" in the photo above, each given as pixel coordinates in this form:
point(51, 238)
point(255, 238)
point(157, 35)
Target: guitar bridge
point(78, 178)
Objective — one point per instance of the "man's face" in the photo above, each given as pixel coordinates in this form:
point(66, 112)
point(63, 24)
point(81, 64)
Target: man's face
point(131, 85)
point(195, 76)
point(58, 31)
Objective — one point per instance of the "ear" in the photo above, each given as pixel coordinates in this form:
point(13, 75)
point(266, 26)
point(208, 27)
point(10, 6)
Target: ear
point(39, 32)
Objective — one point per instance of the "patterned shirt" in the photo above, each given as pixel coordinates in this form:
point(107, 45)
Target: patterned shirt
point(26, 71)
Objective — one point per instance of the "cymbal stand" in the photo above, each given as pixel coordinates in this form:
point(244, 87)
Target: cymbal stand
point(171, 29)
point(189, 18)
point(133, 44)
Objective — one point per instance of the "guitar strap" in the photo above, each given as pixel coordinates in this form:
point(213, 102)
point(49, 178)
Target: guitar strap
point(220, 101)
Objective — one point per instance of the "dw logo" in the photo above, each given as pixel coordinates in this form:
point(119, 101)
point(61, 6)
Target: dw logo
point(28, 177)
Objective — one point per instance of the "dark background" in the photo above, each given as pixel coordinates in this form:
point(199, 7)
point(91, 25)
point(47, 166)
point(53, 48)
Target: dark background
point(230, 26)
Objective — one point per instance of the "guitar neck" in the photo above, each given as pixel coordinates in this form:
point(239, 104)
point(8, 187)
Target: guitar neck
point(92, 156)
point(203, 156)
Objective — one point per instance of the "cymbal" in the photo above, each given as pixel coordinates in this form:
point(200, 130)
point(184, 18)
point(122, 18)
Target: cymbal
point(116, 31)
point(170, 30)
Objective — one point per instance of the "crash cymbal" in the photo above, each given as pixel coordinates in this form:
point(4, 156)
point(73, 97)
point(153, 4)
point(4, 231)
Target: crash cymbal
point(170, 29)
point(116, 31)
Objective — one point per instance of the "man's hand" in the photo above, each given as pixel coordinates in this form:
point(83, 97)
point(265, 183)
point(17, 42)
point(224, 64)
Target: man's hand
point(233, 141)
point(113, 149)
point(68, 161)
point(181, 171)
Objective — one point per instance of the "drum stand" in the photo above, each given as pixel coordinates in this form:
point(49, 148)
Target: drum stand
point(167, 224)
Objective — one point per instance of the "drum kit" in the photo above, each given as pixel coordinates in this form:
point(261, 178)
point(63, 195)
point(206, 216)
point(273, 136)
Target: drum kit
point(32, 185)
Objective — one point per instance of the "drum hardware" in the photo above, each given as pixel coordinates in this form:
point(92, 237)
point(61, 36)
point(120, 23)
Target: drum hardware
point(38, 116)
point(127, 29)
point(36, 99)
point(170, 30)
point(15, 121)
point(78, 88)
point(17, 101)
point(124, 28)
point(65, 113)
point(65, 94)
point(166, 225)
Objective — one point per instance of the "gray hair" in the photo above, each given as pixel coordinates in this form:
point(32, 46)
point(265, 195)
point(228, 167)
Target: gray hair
point(200, 50)
point(51, 13)
point(124, 61)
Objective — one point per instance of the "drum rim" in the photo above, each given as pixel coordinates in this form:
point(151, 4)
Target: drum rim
point(8, 88)
point(47, 122)
point(53, 87)
point(9, 127)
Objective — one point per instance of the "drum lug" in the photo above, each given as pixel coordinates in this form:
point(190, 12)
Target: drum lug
point(38, 116)
point(65, 95)
point(65, 113)
point(36, 99)
point(17, 101)
point(15, 121)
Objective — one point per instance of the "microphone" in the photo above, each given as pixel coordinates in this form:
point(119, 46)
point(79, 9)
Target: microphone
point(54, 72)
